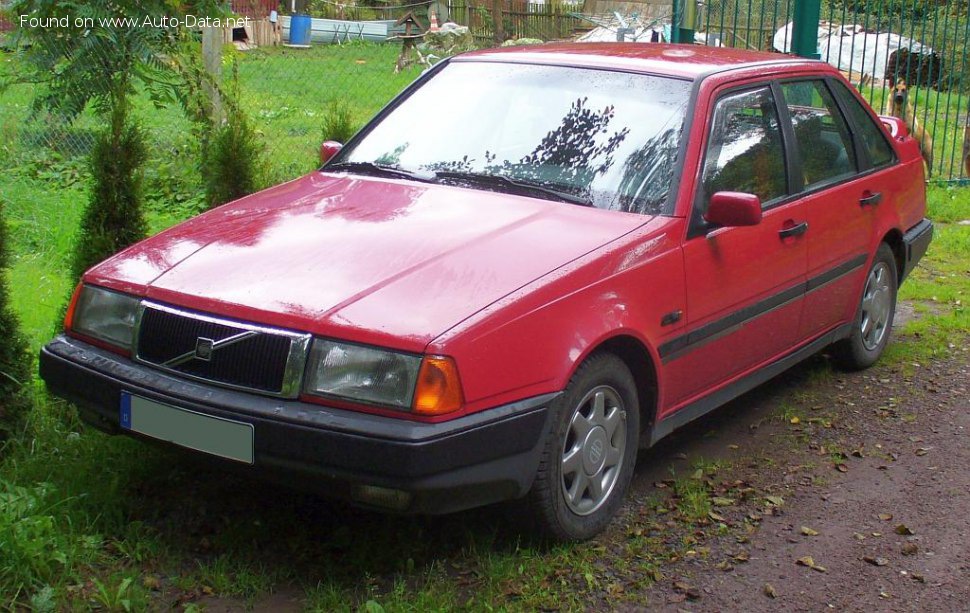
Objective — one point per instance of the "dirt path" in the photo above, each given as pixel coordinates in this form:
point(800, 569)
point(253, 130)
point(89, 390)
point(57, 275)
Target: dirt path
point(874, 482)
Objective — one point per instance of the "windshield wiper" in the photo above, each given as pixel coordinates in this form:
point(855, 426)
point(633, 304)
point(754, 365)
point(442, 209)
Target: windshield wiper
point(516, 184)
point(381, 170)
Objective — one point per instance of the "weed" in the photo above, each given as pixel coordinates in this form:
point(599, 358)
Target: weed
point(339, 123)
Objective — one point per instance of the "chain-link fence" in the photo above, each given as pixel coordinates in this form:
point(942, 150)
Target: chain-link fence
point(349, 57)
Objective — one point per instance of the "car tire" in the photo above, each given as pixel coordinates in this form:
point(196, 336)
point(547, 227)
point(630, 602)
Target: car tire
point(589, 454)
point(874, 316)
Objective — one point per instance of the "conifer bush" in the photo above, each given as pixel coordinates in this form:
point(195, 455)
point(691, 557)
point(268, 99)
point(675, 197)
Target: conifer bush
point(15, 363)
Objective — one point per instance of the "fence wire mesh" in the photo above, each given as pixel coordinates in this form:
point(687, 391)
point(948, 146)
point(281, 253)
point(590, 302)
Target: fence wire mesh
point(291, 92)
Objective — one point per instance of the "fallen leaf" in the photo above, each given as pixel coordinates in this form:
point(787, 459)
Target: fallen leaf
point(775, 500)
point(859, 537)
point(722, 502)
point(724, 565)
point(742, 556)
point(151, 582)
point(769, 591)
point(810, 563)
point(716, 517)
point(903, 530)
point(922, 451)
point(808, 531)
point(884, 595)
point(688, 590)
point(795, 420)
point(842, 468)
point(910, 549)
point(698, 474)
point(208, 591)
point(919, 577)
point(885, 516)
point(875, 561)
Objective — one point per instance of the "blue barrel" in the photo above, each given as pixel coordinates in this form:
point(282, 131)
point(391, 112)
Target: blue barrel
point(300, 30)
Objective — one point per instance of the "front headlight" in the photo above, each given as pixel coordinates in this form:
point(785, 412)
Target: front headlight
point(362, 374)
point(104, 315)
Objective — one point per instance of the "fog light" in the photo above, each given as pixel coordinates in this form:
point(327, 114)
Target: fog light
point(384, 497)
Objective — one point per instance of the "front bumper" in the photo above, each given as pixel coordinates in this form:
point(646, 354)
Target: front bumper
point(915, 242)
point(470, 461)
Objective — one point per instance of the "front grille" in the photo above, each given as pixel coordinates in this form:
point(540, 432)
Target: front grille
point(239, 355)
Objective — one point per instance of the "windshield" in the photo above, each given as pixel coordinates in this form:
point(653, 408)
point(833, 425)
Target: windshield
point(609, 139)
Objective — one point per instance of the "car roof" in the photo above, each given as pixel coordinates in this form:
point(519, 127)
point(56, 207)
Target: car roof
point(684, 61)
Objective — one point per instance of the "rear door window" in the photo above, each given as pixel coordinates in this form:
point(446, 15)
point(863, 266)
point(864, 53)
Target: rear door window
point(823, 142)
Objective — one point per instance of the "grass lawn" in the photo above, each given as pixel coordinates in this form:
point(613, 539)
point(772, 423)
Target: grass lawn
point(95, 522)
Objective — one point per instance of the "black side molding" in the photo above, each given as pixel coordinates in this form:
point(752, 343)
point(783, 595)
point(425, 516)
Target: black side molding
point(712, 401)
point(915, 242)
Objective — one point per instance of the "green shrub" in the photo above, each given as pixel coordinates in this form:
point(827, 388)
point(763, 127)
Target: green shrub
point(232, 153)
point(232, 164)
point(339, 123)
point(113, 218)
point(14, 360)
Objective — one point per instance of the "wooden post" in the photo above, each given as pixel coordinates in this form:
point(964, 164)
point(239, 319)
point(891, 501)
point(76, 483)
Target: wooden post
point(212, 61)
point(498, 21)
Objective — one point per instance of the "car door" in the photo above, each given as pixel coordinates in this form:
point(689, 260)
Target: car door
point(744, 284)
point(839, 204)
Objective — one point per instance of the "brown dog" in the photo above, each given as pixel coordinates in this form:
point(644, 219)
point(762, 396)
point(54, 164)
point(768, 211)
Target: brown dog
point(898, 105)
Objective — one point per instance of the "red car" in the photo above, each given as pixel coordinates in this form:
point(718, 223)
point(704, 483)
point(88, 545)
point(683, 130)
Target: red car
point(531, 264)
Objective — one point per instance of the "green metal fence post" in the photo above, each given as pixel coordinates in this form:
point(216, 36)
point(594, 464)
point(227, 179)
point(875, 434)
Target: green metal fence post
point(805, 28)
point(682, 23)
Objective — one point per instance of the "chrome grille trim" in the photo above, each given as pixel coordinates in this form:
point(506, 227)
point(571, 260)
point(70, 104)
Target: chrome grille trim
point(296, 360)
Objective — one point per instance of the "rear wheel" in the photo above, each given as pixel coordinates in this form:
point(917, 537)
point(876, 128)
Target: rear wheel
point(874, 317)
point(588, 459)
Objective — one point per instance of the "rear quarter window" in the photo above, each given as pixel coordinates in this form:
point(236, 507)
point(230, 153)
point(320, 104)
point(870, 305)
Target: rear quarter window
point(873, 139)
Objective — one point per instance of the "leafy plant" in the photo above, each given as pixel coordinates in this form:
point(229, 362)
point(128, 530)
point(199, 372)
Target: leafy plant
point(103, 66)
point(14, 362)
point(233, 156)
point(113, 217)
point(339, 123)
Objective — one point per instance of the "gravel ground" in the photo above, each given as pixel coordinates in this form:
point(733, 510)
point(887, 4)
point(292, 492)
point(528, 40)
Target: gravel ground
point(874, 478)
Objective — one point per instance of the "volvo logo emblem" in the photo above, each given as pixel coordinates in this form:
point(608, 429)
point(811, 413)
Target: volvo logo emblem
point(206, 347)
point(203, 349)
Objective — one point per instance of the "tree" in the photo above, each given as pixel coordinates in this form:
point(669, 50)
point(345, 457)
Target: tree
point(14, 360)
point(97, 52)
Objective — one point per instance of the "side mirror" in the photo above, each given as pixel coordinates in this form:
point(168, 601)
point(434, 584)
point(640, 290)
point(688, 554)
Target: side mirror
point(329, 149)
point(734, 209)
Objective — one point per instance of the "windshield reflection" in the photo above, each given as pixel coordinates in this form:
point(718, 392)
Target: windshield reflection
point(611, 138)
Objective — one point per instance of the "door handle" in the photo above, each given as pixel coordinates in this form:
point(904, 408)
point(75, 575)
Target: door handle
point(796, 230)
point(870, 198)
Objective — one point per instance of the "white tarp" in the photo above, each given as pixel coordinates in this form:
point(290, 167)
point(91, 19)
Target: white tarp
point(850, 48)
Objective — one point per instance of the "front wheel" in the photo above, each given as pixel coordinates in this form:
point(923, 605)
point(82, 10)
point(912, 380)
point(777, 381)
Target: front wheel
point(874, 317)
point(588, 459)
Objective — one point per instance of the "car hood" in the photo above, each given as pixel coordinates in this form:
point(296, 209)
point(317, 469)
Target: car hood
point(373, 260)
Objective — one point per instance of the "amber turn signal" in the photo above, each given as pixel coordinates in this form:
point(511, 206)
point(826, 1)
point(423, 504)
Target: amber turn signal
point(72, 305)
point(438, 390)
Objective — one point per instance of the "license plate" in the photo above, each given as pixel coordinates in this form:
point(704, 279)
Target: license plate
point(220, 437)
